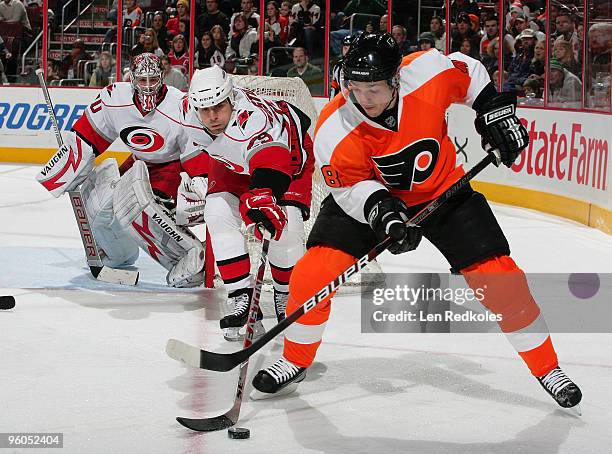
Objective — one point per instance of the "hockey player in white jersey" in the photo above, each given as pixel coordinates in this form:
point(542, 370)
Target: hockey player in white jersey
point(257, 157)
point(133, 205)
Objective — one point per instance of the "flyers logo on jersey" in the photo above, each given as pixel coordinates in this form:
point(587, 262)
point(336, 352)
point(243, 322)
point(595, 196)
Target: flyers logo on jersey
point(413, 164)
point(142, 139)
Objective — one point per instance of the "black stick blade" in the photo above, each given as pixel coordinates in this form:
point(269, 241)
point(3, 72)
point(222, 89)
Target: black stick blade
point(206, 424)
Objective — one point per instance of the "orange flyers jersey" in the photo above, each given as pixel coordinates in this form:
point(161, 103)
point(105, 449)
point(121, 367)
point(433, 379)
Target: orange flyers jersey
point(418, 162)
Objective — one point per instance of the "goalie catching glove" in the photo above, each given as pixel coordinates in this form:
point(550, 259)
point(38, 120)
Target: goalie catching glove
point(499, 127)
point(388, 217)
point(191, 200)
point(258, 206)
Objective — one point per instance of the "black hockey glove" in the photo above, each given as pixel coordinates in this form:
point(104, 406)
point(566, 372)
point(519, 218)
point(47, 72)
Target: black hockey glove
point(388, 218)
point(497, 123)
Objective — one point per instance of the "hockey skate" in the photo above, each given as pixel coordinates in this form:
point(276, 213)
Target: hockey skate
point(565, 392)
point(279, 379)
point(280, 304)
point(233, 323)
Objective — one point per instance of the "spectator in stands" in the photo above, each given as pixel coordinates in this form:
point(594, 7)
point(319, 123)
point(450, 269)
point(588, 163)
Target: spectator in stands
point(310, 74)
point(163, 37)
point(243, 37)
point(463, 32)
point(383, 23)
point(539, 60)
point(246, 8)
point(69, 67)
point(147, 42)
point(562, 51)
point(207, 54)
point(490, 59)
point(306, 15)
point(371, 7)
point(179, 54)
point(219, 37)
point(285, 11)
point(132, 13)
point(426, 41)
point(399, 33)
point(182, 9)
point(271, 39)
point(436, 26)
point(213, 16)
point(4, 54)
point(566, 31)
point(184, 28)
point(491, 31)
point(532, 88)
point(14, 11)
point(463, 6)
point(475, 25)
point(466, 47)
point(600, 47)
point(104, 74)
point(230, 65)
point(564, 87)
point(278, 23)
point(52, 71)
point(519, 67)
point(172, 76)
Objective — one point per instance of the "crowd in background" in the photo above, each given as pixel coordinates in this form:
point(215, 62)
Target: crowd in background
point(550, 52)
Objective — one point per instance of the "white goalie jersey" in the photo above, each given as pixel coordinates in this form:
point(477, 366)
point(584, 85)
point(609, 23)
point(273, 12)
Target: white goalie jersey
point(153, 137)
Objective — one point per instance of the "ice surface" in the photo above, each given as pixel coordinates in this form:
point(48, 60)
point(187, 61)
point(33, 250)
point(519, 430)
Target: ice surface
point(87, 358)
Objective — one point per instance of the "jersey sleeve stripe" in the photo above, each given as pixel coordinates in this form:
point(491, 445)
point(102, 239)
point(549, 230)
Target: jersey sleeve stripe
point(421, 69)
point(333, 106)
point(87, 130)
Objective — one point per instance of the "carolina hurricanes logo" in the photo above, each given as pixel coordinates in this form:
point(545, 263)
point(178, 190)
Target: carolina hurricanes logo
point(142, 139)
point(243, 117)
point(145, 232)
point(229, 164)
point(413, 164)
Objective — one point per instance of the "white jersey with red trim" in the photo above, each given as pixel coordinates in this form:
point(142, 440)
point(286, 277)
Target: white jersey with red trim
point(154, 137)
point(262, 133)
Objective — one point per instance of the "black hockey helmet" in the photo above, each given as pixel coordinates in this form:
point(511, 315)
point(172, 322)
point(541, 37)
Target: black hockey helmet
point(373, 56)
point(348, 40)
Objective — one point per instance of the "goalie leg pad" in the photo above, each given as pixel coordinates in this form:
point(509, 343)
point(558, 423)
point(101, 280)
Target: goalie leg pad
point(118, 248)
point(149, 223)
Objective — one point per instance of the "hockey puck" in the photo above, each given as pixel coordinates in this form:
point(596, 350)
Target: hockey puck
point(238, 433)
point(7, 302)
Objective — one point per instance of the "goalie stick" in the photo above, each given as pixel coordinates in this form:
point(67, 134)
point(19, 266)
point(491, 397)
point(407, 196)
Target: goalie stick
point(92, 252)
point(230, 418)
point(223, 362)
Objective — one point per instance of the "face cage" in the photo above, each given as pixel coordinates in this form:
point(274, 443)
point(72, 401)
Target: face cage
point(147, 94)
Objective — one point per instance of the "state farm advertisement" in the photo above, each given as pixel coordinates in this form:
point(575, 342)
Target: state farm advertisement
point(568, 153)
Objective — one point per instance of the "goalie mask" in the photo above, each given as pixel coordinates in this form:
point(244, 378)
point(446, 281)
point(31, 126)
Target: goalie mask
point(146, 77)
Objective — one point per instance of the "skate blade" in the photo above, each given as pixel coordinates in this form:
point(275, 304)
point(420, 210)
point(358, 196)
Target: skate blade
point(576, 410)
point(237, 335)
point(258, 395)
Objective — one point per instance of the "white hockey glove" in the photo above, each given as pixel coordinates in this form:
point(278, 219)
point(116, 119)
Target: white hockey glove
point(190, 200)
point(68, 167)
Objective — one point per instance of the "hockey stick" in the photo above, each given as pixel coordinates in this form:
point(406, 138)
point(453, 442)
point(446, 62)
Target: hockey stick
point(230, 418)
point(223, 362)
point(92, 251)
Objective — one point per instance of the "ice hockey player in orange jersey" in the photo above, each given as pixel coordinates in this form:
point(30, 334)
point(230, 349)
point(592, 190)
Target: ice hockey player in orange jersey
point(383, 150)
